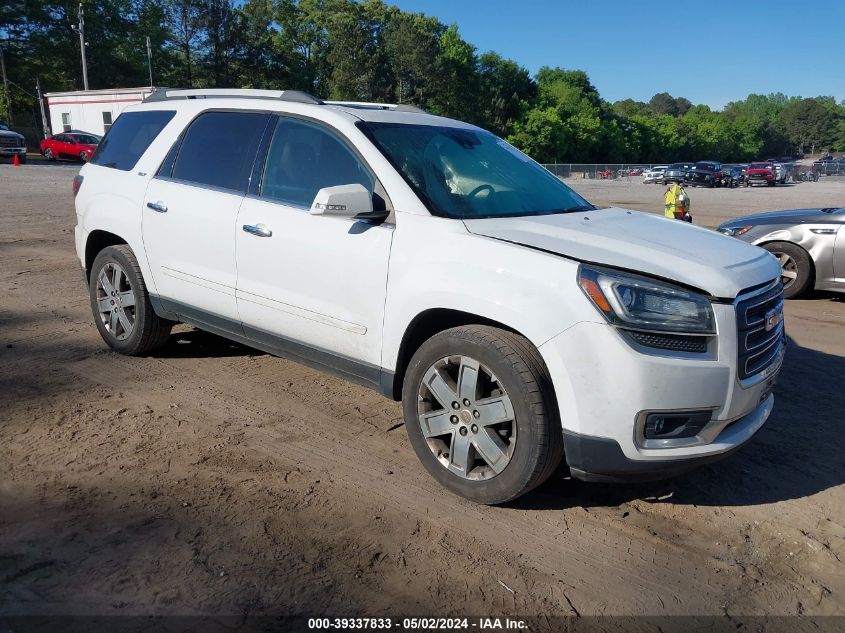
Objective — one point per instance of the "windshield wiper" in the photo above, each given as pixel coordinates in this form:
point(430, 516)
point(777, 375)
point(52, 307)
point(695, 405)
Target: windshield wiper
point(580, 207)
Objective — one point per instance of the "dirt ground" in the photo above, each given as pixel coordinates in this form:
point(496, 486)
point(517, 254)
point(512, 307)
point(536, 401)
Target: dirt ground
point(210, 478)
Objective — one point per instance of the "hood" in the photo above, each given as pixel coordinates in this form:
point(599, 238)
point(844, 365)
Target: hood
point(794, 216)
point(641, 242)
point(10, 133)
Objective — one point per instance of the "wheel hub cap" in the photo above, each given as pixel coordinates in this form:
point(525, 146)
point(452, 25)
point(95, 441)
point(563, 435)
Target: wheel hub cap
point(466, 417)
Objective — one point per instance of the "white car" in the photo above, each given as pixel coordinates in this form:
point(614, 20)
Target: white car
point(654, 175)
point(425, 257)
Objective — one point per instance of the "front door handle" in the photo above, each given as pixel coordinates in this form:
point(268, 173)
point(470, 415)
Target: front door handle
point(157, 206)
point(258, 229)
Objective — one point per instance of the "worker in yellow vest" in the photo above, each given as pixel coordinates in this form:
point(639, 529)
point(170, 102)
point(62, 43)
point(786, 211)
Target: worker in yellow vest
point(676, 203)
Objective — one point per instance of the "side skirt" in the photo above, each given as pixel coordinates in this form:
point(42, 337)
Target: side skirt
point(364, 374)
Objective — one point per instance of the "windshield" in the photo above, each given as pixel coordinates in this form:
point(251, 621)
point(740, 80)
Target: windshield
point(707, 166)
point(760, 166)
point(678, 166)
point(465, 173)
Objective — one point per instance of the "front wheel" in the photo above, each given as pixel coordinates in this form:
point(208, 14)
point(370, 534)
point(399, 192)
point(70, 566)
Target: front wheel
point(48, 154)
point(121, 305)
point(83, 156)
point(481, 414)
point(795, 265)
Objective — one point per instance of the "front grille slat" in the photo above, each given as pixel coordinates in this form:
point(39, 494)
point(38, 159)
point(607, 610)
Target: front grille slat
point(758, 348)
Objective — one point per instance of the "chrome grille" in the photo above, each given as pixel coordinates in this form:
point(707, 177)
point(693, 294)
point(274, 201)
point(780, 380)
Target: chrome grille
point(759, 347)
point(10, 141)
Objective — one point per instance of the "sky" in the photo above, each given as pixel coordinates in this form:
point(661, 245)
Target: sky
point(710, 52)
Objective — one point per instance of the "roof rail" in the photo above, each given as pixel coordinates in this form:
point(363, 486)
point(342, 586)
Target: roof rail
point(167, 94)
point(400, 107)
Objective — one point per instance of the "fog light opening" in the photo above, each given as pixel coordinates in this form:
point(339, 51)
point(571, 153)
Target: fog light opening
point(664, 426)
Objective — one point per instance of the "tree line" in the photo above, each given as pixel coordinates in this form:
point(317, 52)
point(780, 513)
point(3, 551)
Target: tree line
point(371, 51)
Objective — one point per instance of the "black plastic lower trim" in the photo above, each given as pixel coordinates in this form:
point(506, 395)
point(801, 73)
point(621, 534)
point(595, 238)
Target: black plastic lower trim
point(601, 459)
point(350, 369)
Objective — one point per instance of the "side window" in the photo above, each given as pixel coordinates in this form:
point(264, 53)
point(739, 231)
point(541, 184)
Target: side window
point(304, 158)
point(219, 149)
point(60, 138)
point(129, 138)
point(106, 121)
point(66, 126)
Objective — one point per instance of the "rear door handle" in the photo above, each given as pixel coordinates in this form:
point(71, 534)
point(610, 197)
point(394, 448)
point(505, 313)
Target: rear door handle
point(157, 206)
point(257, 229)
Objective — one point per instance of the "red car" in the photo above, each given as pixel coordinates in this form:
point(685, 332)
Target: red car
point(760, 173)
point(70, 145)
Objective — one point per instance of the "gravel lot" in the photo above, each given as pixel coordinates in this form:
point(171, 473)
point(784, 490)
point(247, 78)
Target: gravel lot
point(211, 478)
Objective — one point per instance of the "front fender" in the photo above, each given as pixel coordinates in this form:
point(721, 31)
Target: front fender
point(437, 263)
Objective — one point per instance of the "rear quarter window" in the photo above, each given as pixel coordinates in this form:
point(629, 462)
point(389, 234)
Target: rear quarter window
point(129, 137)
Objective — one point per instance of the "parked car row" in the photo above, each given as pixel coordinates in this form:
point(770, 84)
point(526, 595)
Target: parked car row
point(708, 173)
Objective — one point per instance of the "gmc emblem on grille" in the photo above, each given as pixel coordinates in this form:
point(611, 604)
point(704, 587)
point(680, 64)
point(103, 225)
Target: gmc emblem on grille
point(773, 317)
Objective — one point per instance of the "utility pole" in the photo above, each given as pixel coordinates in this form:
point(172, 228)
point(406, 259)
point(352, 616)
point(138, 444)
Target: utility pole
point(44, 125)
point(150, 59)
point(81, 30)
point(6, 87)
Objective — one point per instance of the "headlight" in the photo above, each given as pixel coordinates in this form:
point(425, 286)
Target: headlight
point(639, 303)
point(734, 231)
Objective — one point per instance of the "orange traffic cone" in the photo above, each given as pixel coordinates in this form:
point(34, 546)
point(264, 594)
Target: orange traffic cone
point(16, 161)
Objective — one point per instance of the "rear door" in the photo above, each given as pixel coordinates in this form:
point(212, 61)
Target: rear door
point(189, 215)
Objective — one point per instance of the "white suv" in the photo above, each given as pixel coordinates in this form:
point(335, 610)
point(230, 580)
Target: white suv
point(432, 261)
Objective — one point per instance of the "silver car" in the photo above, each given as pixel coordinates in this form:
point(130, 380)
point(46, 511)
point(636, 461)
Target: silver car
point(809, 243)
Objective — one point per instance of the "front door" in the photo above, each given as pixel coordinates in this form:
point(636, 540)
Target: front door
point(189, 216)
point(314, 285)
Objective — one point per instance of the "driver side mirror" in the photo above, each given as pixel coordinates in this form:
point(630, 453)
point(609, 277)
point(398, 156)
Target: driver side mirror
point(346, 201)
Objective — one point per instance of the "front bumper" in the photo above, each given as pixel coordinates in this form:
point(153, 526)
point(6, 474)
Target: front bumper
point(601, 459)
point(11, 151)
point(605, 388)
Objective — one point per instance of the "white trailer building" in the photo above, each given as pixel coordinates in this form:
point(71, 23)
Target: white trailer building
point(90, 110)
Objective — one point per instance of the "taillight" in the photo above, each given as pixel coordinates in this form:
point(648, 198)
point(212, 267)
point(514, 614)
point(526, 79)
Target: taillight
point(77, 183)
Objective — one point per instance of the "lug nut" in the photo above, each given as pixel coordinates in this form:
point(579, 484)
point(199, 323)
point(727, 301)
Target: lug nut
point(455, 405)
point(476, 414)
point(453, 419)
point(463, 430)
point(475, 428)
point(466, 402)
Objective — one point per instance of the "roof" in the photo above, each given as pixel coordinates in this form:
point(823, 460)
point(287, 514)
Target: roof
point(364, 111)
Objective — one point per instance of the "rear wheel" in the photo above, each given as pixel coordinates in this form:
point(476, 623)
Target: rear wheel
point(121, 305)
point(796, 267)
point(481, 414)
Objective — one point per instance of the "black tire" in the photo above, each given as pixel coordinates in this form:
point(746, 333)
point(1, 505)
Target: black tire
point(149, 331)
point(520, 370)
point(771, 183)
point(22, 159)
point(803, 267)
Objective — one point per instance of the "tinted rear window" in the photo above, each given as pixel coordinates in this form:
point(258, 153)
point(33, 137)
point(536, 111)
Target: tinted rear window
point(219, 149)
point(129, 137)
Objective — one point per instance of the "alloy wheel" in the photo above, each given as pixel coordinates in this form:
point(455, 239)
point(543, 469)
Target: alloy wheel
point(788, 269)
point(116, 301)
point(467, 418)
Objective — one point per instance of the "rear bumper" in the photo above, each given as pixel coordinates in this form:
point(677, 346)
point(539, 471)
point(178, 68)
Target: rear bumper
point(601, 459)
